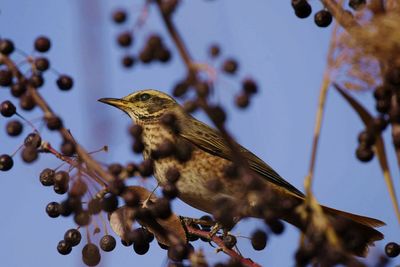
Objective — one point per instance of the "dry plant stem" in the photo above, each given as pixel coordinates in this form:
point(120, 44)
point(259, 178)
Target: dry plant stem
point(39, 100)
point(220, 243)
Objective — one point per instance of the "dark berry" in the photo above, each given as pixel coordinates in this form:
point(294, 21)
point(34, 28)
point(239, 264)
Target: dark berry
point(36, 80)
point(230, 66)
point(6, 162)
point(146, 56)
point(82, 218)
point(107, 243)
point(64, 248)
point(73, 237)
point(172, 175)
point(146, 168)
point(138, 146)
point(53, 209)
point(141, 248)
point(131, 198)
point(119, 16)
point(7, 109)
point(33, 139)
point(42, 44)
point(14, 128)
point(202, 89)
point(154, 42)
point(382, 92)
point(109, 203)
point(27, 102)
point(6, 78)
point(54, 123)
point(161, 208)
point(163, 55)
point(392, 249)
point(91, 254)
point(94, 206)
point(383, 106)
point(242, 100)
point(367, 138)
point(29, 154)
point(259, 240)
point(61, 188)
point(218, 115)
point(18, 89)
point(65, 82)
point(364, 153)
point(136, 130)
point(180, 89)
point(128, 61)
point(178, 252)
point(47, 177)
point(61, 178)
point(214, 50)
point(249, 86)
point(302, 8)
point(357, 4)
point(170, 191)
point(276, 226)
point(115, 169)
point(67, 148)
point(42, 64)
point(229, 241)
point(125, 39)
point(323, 18)
point(6, 47)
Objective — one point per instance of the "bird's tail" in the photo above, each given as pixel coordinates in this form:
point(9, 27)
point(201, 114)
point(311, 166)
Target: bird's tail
point(357, 232)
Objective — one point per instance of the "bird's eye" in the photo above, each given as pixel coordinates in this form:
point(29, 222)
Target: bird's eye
point(144, 97)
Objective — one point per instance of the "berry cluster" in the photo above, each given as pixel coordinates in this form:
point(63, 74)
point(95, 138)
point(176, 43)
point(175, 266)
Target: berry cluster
point(387, 104)
point(322, 18)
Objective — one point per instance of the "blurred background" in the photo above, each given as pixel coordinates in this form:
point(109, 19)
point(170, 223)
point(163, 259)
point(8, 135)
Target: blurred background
point(284, 54)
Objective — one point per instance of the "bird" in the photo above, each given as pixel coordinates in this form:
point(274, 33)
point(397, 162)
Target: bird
point(211, 156)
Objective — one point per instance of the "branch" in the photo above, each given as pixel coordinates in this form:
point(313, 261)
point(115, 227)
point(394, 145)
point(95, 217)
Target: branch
point(232, 253)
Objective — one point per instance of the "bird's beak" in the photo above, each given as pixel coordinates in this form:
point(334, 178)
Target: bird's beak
point(116, 102)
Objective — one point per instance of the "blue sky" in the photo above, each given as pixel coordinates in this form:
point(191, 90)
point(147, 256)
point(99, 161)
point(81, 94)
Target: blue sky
point(284, 54)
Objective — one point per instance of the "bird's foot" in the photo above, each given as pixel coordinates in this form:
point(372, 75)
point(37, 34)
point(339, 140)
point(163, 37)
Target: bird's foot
point(214, 230)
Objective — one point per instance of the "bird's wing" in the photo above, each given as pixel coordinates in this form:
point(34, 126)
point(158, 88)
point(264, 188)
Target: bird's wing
point(210, 140)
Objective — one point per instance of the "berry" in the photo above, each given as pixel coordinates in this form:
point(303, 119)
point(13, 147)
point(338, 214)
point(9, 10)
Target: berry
point(82, 218)
point(128, 61)
point(47, 177)
point(54, 123)
point(91, 254)
point(42, 64)
point(18, 89)
point(73, 237)
point(259, 240)
point(146, 168)
point(364, 153)
point(172, 175)
point(170, 191)
point(61, 178)
point(357, 4)
point(180, 89)
point(14, 128)
point(6, 78)
point(302, 8)
point(230, 66)
point(131, 198)
point(141, 248)
point(229, 241)
point(36, 80)
point(323, 18)
point(276, 226)
point(6, 47)
point(42, 44)
point(115, 169)
point(214, 50)
point(107, 243)
point(138, 146)
point(29, 154)
point(161, 208)
point(178, 252)
point(125, 39)
point(7, 109)
point(249, 86)
point(65, 82)
point(53, 209)
point(202, 89)
point(218, 115)
point(392, 249)
point(33, 139)
point(68, 148)
point(163, 55)
point(64, 248)
point(136, 130)
point(27, 102)
point(119, 16)
point(242, 100)
point(367, 138)
point(109, 203)
point(94, 206)
point(6, 162)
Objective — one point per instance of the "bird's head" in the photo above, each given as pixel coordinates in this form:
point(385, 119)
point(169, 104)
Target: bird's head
point(144, 105)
